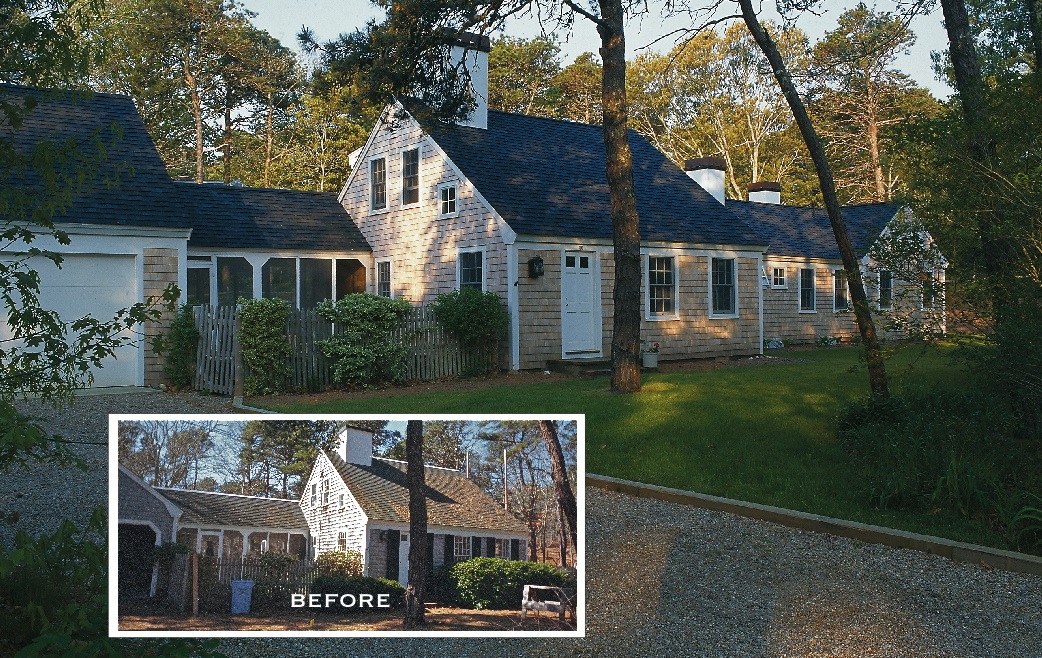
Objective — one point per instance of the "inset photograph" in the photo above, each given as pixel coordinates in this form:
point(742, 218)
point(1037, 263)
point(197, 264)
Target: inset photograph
point(284, 525)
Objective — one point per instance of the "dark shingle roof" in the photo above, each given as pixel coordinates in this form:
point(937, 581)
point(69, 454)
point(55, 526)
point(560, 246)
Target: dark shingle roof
point(547, 177)
point(205, 508)
point(800, 231)
point(130, 183)
point(452, 500)
point(255, 218)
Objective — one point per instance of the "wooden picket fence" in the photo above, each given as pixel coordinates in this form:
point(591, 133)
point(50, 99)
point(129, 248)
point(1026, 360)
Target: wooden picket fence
point(433, 354)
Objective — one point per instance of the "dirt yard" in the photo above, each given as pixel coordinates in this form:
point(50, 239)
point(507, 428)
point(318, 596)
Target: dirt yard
point(438, 619)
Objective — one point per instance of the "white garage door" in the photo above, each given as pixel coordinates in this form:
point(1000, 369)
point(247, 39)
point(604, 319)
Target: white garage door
point(98, 285)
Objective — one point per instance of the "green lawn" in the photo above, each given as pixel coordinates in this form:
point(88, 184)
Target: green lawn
point(764, 434)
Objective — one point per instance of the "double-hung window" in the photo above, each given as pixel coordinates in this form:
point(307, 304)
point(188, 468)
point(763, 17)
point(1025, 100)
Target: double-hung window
point(840, 291)
point(461, 548)
point(886, 290)
point(410, 177)
point(662, 287)
point(931, 290)
point(383, 278)
point(471, 270)
point(723, 290)
point(808, 297)
point(378, 183)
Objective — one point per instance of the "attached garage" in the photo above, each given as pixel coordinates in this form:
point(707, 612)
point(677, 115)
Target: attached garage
point(98, 285)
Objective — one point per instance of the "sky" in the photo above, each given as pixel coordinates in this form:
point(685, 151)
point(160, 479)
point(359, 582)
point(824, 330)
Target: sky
point(329, 18)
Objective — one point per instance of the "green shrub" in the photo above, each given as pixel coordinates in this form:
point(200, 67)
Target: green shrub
point(942, 448)
point(339, 563)
point(479, 320)
point(265, 348)
point(494, 583)
point(363, 350)
point(358, 585)
point(179, 345)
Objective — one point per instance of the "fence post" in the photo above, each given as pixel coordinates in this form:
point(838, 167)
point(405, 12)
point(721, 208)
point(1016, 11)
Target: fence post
point(195, 584)
point(237, 374)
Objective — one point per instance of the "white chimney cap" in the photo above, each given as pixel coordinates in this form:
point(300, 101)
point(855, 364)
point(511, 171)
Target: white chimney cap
point(356, 446)
point(765, 192)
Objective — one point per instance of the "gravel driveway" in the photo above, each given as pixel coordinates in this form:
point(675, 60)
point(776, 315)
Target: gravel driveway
point(662, 579)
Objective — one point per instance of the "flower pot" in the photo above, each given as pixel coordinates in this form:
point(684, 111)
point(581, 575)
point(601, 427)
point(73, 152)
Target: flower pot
point(650, 359)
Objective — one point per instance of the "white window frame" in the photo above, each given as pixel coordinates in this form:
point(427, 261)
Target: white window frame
point(341, 541)
point(879, 290)
point(938, 285)
point(390, 277)
point(484, 265)
point(369, 174)
point(455, 200)
point(784, 285)
point(799, 289)
point(650, 315)
point(324, 490)
point(734, 283)
point(835, 289)
point(462, 542)
point(419, 178)
point(314, 494)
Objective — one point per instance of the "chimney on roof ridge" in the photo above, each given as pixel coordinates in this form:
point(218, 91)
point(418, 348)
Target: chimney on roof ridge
point(356, 446)
point(765, 192)
point(473, 50)
point(709, 173)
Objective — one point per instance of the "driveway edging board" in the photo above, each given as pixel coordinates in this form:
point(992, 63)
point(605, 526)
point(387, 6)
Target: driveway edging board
point(872, 534)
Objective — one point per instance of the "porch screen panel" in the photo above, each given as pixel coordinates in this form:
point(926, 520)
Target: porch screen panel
point(350, 277)
point(316, 281)
point(279, 279)
point(234, 279)
point(198, 286)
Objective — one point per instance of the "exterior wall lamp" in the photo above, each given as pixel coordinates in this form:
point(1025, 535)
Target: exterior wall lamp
point(535, 267)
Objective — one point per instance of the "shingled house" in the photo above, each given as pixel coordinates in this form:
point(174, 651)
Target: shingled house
point(221, 525)
point(354, 501)
point(134, 231)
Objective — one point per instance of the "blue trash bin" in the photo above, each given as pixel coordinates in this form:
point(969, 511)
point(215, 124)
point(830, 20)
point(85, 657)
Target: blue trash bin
point(242, 593)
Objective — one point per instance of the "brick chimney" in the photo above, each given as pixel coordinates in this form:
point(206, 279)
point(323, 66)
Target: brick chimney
point(356, 446)
point(473, 50)
point(709, 173)
point(765, 192)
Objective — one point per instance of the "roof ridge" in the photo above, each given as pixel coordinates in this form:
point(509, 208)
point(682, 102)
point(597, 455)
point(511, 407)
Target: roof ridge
point(108, 94)
point(402, 461)
point(219, 185)
point(222, 493)
point(568, 122)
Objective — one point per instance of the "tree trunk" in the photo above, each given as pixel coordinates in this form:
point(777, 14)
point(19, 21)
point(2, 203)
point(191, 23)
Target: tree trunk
point(877, 167)
point(1034, 12)
point(197, 115)
point(416, 592)
point(563, 537)
point(562, 487)
point(226, 155)
point(269, 138)
point(625, 340)
point(862, 312)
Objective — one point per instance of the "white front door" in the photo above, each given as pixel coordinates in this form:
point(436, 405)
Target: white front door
point(403, 559)
point(580, 318)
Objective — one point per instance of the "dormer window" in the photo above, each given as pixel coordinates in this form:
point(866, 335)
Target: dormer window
point(410, 177)
point(447, 200)
point(378, 183)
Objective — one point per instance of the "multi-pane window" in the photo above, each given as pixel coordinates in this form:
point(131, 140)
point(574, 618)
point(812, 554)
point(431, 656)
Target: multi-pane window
point(324, 489)
point(383, 278)
point(778, 277)
point(314, 494)
point(841, 297)
point(808, 298)
point(722, 285)
point(378, 183)
point(341, 541)
point(447, 206)
point(886, 289)
point(410, 177)
point(234, 280)
point(461, 547)
point(340, 500)
point(662, 286)
point(470, 270)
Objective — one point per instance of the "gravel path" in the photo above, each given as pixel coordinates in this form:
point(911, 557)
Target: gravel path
point(668, 580)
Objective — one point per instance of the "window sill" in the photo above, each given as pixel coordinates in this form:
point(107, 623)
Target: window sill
point(730, 316)
point(811, 312)
point(779, 287)
point(409, 206)
point(662, 318)
point(379, 211)
point(449, 216)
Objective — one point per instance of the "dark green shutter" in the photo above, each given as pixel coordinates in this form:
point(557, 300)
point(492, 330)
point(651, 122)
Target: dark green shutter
point(490, 546)
point(515, 549)
point(450, 547)
point(394, 546)
point(475, 547)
